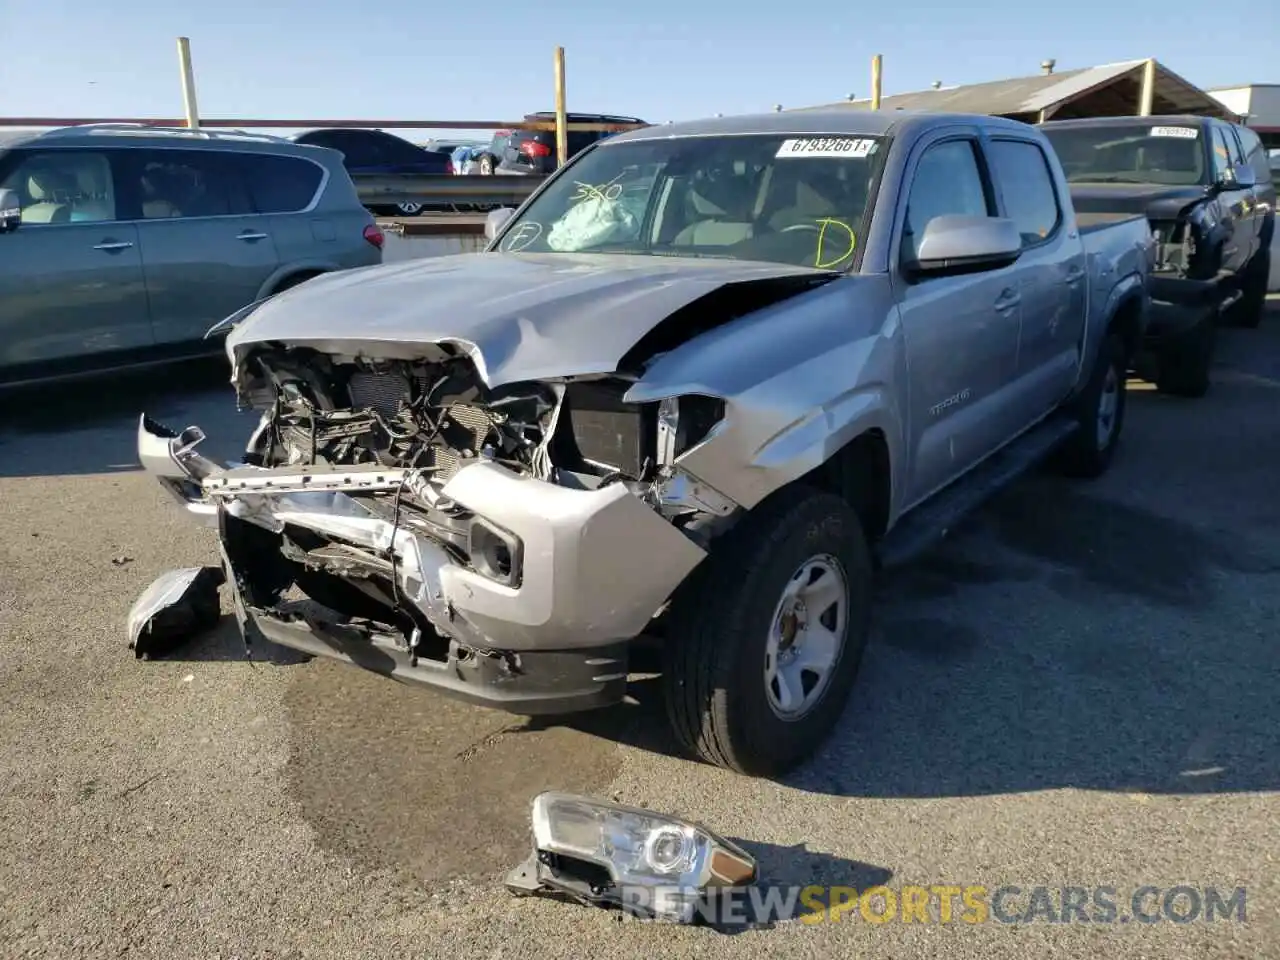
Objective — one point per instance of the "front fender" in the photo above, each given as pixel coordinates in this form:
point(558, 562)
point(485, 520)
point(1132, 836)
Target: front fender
point(799, 380)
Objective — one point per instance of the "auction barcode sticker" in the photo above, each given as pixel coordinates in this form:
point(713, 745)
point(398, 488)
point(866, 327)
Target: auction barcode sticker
point(827, 147)
point(1182, 133)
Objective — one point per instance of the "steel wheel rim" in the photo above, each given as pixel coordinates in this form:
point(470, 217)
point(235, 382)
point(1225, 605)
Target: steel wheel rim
point(806, 637)
point(409, 209)
point(1108, 407)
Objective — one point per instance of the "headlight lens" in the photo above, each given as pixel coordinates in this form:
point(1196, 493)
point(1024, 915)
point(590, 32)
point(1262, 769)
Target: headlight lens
point(658, 864)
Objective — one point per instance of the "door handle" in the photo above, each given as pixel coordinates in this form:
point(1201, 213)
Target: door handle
point(249, 235)
point(1008, 298)
point(1074, 275)
point(113, 245)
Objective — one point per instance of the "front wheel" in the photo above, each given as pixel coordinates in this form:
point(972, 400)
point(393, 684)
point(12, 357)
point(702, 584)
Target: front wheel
point(1184, 366)
point(1099, 412)
point(764, 648)
point(409, 209)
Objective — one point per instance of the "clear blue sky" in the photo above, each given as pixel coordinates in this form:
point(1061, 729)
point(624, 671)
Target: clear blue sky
point(657, 59)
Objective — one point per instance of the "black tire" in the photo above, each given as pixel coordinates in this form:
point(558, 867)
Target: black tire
point(1183, 367)
point(288, 283)
point(1088, 453)
point(719, 634)
point(1248, 310)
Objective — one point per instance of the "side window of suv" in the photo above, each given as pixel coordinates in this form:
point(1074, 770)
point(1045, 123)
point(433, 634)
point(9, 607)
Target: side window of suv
point(187, 183)
point(279, 184)
point(63, 186)
point(1022, 170)
point(948, 180)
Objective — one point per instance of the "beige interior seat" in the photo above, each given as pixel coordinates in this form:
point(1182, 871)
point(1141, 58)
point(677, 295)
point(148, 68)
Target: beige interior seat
point(47, 194)
point(804, 197)
point(716, 223)
point(94, 202)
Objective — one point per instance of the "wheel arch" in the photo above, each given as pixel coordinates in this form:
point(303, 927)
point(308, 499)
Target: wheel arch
point(861, 472)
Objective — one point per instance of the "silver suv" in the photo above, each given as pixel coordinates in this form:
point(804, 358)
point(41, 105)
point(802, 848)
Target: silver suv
point(123, 244)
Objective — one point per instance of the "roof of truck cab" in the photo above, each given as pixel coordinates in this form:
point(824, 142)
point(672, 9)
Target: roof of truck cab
point(1169, 119)
point(836, 120)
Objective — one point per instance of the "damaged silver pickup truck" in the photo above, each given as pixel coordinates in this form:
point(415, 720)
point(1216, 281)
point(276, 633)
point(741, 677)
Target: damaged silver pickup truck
point(697, 388)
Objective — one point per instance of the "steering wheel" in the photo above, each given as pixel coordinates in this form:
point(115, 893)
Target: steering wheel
point(801, 226)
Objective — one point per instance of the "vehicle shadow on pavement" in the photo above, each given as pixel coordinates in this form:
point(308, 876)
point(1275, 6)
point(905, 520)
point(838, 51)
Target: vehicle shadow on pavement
point(90, 426)
point(779, 895)
point(1088, 644)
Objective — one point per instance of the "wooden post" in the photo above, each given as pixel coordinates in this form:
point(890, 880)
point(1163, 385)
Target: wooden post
point(562, 135)
point(876, 63)
point(188, 83)
point(1147, 103)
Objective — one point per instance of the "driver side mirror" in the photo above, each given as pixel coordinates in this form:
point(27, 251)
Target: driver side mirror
point(10, 211)
point(1239, 177)
point(496, 220)
point(959, 243)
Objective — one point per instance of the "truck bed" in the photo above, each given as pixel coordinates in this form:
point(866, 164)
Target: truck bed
point(1091, 222)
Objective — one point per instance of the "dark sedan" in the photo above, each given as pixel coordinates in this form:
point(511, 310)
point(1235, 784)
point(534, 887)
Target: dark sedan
point(375, 152)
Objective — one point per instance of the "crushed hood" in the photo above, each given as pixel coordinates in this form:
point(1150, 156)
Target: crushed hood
point(519, 316)
point(1158, 202)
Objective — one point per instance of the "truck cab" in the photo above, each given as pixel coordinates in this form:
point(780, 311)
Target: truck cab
point(1205, 185)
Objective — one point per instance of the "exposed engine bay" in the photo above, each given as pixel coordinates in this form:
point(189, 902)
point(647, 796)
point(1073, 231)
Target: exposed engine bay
point(437, 416)
point(330, 420)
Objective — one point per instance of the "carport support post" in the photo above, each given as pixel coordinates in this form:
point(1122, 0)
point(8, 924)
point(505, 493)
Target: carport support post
point(188, 83)
point(1148, 89)
point(876, 63)
point(562, 136)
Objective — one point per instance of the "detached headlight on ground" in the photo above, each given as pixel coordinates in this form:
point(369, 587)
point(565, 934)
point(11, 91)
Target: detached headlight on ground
point(609, 854)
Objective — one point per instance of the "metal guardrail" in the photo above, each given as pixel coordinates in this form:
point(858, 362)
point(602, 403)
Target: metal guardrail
point(443, 190)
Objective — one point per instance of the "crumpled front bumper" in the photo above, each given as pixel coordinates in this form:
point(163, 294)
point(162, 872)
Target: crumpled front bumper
point(595, 565)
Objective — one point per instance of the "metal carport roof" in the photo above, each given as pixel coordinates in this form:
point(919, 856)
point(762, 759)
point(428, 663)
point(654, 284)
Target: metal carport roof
point(1113, 89)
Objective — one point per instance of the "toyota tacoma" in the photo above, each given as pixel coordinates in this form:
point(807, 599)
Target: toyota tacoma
point(697, 388)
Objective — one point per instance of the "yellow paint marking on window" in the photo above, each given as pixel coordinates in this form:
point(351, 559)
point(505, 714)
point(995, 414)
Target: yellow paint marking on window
point(847, 240)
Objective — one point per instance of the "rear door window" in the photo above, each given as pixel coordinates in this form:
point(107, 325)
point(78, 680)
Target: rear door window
point(1255, 154)
point(1022, 172)
point(280, 184)
point(394, 150)
point(358, 149)
point(187, 183)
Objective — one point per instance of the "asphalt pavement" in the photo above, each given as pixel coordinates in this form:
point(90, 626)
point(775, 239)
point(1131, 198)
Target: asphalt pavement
point(1078, 688)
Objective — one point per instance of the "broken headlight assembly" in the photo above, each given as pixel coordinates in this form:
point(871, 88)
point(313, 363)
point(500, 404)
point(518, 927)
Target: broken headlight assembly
point(684, 422)
point(608, 854)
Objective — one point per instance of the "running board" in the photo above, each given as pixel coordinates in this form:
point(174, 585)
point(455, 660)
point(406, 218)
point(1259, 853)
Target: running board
point(929, 523)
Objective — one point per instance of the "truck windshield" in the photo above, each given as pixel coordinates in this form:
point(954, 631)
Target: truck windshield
point(1131, 153)
point(794, 200)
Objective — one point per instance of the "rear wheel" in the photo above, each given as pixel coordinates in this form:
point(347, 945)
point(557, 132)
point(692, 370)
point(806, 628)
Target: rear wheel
point(409, 209)
point(764, 647)
point(1099, 410)
point(486, 165)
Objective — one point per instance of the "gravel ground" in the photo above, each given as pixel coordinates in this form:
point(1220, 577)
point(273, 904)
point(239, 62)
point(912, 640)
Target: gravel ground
point(1078, 688)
